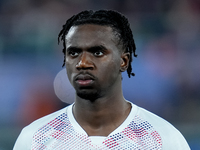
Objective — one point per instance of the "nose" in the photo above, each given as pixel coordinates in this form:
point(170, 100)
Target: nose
point(85, 62)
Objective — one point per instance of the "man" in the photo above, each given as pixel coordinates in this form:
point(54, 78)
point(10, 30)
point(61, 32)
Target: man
point(98, 46)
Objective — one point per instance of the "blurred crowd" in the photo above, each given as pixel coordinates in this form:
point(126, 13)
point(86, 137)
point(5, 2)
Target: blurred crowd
point(167, 81)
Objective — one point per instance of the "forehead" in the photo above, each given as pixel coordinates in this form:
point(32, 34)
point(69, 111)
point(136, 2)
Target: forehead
point(91, 34)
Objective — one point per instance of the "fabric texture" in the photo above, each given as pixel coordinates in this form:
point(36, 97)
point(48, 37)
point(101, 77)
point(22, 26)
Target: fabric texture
point(142, 130)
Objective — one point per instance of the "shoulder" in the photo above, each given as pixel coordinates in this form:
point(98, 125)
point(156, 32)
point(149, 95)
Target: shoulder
point(170, 136)
point(25, 138)
point(46, 119)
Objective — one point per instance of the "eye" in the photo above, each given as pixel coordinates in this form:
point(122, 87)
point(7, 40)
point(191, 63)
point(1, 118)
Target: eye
point(73, 53)
point(98, 53)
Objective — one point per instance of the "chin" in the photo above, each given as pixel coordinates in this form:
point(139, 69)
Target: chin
point(92, 96)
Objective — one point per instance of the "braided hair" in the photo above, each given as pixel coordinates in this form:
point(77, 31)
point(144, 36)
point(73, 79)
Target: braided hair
point(115, 20)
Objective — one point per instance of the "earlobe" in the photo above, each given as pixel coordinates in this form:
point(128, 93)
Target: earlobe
point(124, 61)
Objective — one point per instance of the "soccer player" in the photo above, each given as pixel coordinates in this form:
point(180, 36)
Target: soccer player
point(98, 47)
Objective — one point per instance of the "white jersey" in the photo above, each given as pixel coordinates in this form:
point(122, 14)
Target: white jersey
point(141, 130)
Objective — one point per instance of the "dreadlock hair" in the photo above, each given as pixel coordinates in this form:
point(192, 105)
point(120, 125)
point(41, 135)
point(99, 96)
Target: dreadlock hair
point(115, 20)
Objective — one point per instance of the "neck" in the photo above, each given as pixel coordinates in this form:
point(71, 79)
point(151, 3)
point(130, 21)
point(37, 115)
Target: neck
point(102, 116)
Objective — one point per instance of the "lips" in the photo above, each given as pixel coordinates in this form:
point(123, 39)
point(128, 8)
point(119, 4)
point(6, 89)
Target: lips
point(84, 79)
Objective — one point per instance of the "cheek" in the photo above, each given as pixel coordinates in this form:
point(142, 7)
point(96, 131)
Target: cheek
point(115, 63)
point(69, 69)
point(110, 68)
point(69, 63)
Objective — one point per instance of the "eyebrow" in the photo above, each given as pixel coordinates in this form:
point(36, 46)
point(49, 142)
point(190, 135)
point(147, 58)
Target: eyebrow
point(73, 48)
point(97, 48)
point(93, 48)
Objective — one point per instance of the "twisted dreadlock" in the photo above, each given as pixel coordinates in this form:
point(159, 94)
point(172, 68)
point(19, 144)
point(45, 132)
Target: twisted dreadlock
point(115, 20)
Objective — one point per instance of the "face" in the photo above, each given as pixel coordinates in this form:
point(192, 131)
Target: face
point(94, 60)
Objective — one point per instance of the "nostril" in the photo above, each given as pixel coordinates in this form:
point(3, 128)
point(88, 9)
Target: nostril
point(84, 64)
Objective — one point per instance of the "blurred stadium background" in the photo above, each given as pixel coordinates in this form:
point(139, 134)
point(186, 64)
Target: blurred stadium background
point(167, 81)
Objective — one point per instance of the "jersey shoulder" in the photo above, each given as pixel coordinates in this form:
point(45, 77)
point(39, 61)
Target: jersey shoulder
point(171, 137)
point(28, 131)
point(46, 119)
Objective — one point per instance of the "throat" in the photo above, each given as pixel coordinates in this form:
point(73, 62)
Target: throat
point(101, 131)
point(101, 121)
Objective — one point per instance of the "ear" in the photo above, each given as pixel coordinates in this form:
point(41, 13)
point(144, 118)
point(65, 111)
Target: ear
point(124, 61)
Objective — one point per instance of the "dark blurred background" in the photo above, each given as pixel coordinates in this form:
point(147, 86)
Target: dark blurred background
point(167, 81)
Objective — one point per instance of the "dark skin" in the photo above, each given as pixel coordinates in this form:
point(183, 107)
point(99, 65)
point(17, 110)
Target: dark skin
point(94, 62)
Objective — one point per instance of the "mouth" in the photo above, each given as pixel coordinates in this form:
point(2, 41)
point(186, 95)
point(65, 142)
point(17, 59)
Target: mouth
point(84, 79)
